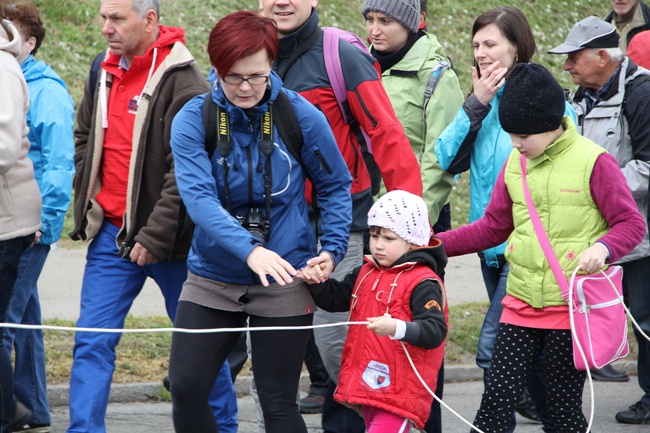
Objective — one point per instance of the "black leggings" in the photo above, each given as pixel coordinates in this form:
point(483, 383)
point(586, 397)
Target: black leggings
point(515, 352)
point(197, 358)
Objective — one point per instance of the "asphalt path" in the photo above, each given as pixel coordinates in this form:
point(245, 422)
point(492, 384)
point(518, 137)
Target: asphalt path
point(129, 410)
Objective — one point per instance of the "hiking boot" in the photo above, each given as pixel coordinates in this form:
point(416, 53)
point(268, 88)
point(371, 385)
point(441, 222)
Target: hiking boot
point(33, 428)
point(526, 408)
point(608, 374)
point(638, 413)
point(21, 417)
point(313, 403)
point(166, 383)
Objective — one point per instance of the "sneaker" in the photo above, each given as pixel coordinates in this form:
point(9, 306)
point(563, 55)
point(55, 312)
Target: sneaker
point(21, 417)
point(526, 408)
point(313, 403)
point(33, 428)
point(638, 413)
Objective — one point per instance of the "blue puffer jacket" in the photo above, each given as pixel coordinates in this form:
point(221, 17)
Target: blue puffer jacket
point(474, 140)
point(51, 120)
point(220, 244)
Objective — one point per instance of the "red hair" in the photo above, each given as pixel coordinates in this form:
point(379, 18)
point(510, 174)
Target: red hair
point(238, 35)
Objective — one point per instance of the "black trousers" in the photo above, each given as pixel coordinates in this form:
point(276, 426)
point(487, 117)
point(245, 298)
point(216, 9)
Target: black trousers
point(516, 350)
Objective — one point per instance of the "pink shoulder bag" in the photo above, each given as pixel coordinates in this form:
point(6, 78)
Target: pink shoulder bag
point(596, 309)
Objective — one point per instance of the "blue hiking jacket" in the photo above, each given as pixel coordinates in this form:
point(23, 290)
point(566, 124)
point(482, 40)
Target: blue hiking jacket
point(51, 122)
point(220, 244)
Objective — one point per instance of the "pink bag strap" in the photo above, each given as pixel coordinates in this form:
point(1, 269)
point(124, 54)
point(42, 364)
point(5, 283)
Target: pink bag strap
point(541, 233)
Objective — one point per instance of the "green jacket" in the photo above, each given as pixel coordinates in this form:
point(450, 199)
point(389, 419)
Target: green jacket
point(559, 183)
point(405, 84)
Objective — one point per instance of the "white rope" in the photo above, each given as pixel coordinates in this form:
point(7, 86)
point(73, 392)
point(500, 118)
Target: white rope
point(417, 373)
point(181, 330)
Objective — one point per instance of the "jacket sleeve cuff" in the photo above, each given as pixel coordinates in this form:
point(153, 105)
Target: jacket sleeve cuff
point(400, 330)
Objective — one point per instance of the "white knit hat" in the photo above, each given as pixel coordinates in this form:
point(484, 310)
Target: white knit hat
point(404, 213)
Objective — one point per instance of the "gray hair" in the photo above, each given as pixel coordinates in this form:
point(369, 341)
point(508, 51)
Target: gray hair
point(142, 6)
point(615, 54)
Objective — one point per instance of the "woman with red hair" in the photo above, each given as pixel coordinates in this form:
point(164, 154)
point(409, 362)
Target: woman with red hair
point(247, 200)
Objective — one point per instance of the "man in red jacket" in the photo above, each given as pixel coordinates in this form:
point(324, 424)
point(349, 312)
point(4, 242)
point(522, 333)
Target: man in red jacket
point(297, 22)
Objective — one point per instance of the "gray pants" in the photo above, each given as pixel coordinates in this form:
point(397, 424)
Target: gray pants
point(330, 340)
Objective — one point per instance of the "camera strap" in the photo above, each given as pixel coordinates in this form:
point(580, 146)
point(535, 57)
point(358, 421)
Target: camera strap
point(224, 146)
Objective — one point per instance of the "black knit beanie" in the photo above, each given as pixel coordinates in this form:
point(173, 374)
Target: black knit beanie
point(532, 101)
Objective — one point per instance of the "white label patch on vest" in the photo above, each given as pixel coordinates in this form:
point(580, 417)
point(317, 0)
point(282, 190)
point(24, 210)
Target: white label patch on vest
point(376, 375)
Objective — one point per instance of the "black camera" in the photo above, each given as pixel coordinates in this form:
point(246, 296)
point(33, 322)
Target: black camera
point(256, 224)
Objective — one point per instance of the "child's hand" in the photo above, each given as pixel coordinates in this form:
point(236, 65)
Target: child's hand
point(311, 274)
point(593, 258)
point(318, 269)
point(382, 325)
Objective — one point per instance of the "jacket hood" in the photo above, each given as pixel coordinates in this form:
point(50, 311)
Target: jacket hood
point(7, 32)
point(36, 69)
point(168, 36)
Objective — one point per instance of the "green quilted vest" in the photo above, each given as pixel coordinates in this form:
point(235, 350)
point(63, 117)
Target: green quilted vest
point(559, 185)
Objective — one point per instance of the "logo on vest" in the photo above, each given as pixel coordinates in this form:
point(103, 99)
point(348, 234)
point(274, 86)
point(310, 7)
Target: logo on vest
point(571, 255)
point(377, 375)
point(572, 191)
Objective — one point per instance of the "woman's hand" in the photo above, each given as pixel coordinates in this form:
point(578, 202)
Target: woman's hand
point(266, 262)
point(593, 258)
point(318, 269)
point(490, 82)
point(382, 325)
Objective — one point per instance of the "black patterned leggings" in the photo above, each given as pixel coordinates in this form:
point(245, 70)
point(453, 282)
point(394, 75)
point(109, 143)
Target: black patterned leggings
point(515, 351)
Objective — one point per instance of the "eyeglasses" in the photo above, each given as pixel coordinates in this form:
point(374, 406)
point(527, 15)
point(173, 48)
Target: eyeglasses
point(253, 80)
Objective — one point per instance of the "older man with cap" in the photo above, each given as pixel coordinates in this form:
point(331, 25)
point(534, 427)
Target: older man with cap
point(613, 109)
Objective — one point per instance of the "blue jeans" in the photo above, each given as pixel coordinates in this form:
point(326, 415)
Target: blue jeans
point(110, 285)
point(495, 284)
point(636, 275)
point(30, 381)
point(10, 252)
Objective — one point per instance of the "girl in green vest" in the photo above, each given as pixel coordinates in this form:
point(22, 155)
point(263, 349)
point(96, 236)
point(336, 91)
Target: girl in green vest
point(591, 219)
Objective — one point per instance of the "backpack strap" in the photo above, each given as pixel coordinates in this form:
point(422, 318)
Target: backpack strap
point(284, 119)
point(286, 122)
point(209, 116)
point(334, 69)
point(432, 84)
point(95, 69)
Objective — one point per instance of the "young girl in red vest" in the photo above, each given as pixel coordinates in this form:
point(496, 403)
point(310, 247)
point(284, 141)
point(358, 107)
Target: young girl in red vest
point(591, 219)
point(399, 292)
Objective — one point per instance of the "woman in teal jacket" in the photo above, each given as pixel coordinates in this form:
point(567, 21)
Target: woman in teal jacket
point(476, 142)
point(408, 56)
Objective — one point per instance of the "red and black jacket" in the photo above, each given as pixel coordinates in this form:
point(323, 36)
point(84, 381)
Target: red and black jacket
point(369, 105)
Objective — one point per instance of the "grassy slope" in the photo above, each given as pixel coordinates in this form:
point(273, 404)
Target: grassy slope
point(74, 37)
point(74, 32)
